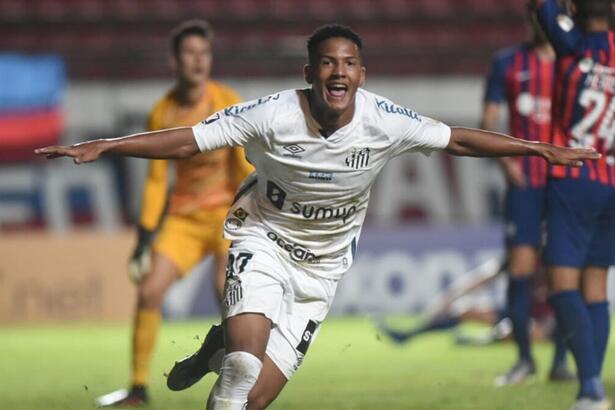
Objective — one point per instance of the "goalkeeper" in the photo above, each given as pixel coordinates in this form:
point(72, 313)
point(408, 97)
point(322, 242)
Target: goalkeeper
point(197, 205)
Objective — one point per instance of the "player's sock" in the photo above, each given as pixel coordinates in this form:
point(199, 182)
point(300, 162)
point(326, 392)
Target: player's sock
point(599, 313)
point(238, 375)
point(576, 327)
point(559, 348)
point(439, 323)
point(518, 296)
point(145, 331)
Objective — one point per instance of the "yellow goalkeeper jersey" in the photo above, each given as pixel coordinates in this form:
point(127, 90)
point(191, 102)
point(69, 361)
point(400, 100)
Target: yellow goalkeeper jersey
point(206, 181)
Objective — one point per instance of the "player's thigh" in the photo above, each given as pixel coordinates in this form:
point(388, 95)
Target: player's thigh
point(524, 215)
point(155, 284)
point(179, 240)
point(247, 332)
point(254, 298)
point(564, 278)
point(602, 247)
point(594, 283)
point(268, 386)
point(220, 261)
point(522, 260)
point(571, 219)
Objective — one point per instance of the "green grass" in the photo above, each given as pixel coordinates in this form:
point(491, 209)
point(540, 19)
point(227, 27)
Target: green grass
point(349, 367)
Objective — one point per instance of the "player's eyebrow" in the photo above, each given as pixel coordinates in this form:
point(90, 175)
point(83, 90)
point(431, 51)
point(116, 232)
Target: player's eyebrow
point(347, 57)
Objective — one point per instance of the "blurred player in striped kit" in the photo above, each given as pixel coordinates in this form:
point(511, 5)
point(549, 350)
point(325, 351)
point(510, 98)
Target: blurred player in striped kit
point(197, 205)
point(581, 202)
point(523, 78)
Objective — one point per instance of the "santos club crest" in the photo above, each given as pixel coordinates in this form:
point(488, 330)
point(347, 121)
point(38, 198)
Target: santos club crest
point(358, 158)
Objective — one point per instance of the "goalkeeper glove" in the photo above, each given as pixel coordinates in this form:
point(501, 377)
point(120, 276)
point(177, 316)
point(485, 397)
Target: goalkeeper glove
point(140, 262)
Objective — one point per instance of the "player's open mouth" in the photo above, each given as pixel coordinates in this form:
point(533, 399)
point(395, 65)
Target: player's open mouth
point(337, 91)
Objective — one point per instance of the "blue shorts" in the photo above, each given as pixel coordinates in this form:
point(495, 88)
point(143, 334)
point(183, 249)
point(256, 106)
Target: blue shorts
point(524, 213)
point(580, 223)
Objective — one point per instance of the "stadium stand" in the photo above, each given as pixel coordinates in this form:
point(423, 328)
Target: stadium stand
point(403, 36)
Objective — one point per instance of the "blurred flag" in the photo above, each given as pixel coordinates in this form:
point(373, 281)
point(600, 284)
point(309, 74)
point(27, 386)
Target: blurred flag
point(31, 90)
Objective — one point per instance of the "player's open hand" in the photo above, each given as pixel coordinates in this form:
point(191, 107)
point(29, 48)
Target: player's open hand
point(80, 153)
point(567, 156)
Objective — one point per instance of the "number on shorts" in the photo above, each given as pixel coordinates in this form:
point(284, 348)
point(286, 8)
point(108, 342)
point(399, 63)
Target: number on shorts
point(237, 264)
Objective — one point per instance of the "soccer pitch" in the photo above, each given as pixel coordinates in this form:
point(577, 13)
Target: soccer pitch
point(349, 367)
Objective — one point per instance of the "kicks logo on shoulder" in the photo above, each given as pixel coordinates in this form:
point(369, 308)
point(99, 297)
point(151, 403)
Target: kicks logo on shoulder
point(358, 158)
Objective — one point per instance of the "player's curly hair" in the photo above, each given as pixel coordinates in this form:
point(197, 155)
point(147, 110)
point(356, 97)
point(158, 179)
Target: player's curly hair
point(328, 31)
point(189, 28)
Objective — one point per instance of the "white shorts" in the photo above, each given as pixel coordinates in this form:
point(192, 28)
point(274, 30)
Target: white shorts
point(261, 279)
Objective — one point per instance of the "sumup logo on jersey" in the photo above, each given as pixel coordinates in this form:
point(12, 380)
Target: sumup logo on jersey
point(358, 158)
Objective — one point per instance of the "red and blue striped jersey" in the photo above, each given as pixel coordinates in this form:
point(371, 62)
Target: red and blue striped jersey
point(583, 102)
point(524, 81)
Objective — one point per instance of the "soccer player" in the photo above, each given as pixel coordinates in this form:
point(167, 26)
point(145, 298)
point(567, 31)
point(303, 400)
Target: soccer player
point(203, 190)
point(522, 77)
point(296, 223)
point(581, 202)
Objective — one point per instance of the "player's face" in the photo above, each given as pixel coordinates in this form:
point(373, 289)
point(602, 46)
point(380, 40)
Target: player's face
point(193, 60)
point(336, 74)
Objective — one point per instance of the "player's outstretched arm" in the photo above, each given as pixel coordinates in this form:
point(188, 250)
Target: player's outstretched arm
point(478, 143)
point(175, 143)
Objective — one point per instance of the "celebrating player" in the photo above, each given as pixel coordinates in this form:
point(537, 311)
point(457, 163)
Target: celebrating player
point(581, 202)
point(523, 76)
point(204, 189)
point(295, 227)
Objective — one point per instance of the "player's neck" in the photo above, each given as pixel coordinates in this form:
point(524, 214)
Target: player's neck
point(593, 25)
point(189, 94)
point(329, 121)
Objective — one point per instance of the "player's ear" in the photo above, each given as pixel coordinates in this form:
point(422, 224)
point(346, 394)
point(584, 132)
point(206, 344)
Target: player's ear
point(362, 79)
point(307, 73)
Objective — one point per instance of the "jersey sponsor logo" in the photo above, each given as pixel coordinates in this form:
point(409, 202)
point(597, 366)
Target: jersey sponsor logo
point(276, 195)
point(213, 118)
point(323, 212)
point(537, 107)
point(358, 158)
point(238, 109)
point(599, 77)
point(293, 150)
point(297, 252)
point(391, 108)
point(237, 219)
point(321, 176)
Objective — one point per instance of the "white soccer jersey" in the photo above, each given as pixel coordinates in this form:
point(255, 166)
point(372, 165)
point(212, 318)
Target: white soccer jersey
point(309, 195)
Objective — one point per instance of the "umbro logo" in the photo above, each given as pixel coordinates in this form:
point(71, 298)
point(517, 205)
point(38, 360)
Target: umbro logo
point(293, 150)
